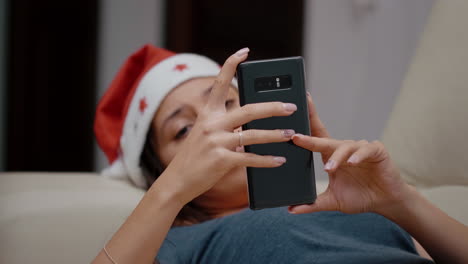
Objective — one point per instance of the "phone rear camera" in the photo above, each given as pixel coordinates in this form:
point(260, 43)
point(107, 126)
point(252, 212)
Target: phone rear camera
point(272, 83)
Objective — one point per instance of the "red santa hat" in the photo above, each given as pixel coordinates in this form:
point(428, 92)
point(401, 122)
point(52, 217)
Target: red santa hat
point(125, 112)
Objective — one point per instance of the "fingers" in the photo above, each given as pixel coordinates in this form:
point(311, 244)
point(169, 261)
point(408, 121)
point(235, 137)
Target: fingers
point(370, 152)
point(316, 144)
point(224, 78)
point(342, 151)
point(324, 202)
point(245, 159)
point(342, 154)
point(316, 126)
point(257, 136)
point(251, 112)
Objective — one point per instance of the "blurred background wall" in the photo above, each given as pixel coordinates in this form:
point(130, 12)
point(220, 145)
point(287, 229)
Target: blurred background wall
point(124, 26)
point(356, 51)
point(3, 35)
point(357, 54)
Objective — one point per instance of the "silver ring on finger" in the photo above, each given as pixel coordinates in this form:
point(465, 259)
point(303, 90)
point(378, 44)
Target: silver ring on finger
point(241, 142)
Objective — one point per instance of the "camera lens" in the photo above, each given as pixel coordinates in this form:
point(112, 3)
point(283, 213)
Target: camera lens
point(270, 83)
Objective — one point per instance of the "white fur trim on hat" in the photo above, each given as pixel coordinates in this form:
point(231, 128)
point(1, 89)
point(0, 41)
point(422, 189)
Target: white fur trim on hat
point(116, 171)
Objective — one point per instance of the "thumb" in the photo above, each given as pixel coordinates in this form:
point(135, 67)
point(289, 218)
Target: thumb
point(324, 202)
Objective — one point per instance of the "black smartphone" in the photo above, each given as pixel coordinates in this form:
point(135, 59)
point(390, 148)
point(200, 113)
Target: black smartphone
point(294, 182)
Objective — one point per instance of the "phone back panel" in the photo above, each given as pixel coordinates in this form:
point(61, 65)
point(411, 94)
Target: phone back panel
point(293, 182)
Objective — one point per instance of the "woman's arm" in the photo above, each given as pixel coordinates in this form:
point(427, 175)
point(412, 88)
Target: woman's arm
point(139, 238)
point(444, 238)
point(208, 154)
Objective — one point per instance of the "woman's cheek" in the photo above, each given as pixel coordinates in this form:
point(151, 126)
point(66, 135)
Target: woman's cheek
point(168, 153)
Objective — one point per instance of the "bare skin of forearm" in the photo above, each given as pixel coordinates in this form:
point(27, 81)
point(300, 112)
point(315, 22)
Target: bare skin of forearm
point(140, 237)
point(444, 238)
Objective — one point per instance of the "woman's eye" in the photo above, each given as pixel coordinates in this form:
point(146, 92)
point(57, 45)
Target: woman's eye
point(182, 133)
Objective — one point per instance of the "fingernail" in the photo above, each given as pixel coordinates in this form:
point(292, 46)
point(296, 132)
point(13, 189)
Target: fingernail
point(330, 165)
point(308, 94)
point(287, 133)
point(242, 52)
point(290, 107)
point(279, 160)
point(353, 159)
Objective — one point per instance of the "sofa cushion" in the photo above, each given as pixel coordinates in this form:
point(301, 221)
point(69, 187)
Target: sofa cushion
point(426, 133)
point(60, 217)
point(450, 199)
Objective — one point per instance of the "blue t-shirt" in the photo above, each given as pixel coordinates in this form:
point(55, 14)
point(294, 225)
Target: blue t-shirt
point(275, 236)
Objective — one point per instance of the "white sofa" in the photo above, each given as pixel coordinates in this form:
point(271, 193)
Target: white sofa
point(67, 217)
point(60, 217)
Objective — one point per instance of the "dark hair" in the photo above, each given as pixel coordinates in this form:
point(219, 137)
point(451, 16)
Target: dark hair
point(153, 168)
point(149, 161)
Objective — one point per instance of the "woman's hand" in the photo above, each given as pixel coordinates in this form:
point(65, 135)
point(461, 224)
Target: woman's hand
point(209, 151)
point(362, 177)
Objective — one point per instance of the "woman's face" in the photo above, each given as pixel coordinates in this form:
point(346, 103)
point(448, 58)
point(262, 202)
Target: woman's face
point(172, 123)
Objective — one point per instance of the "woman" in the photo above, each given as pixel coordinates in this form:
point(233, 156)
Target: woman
point(167, 117)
